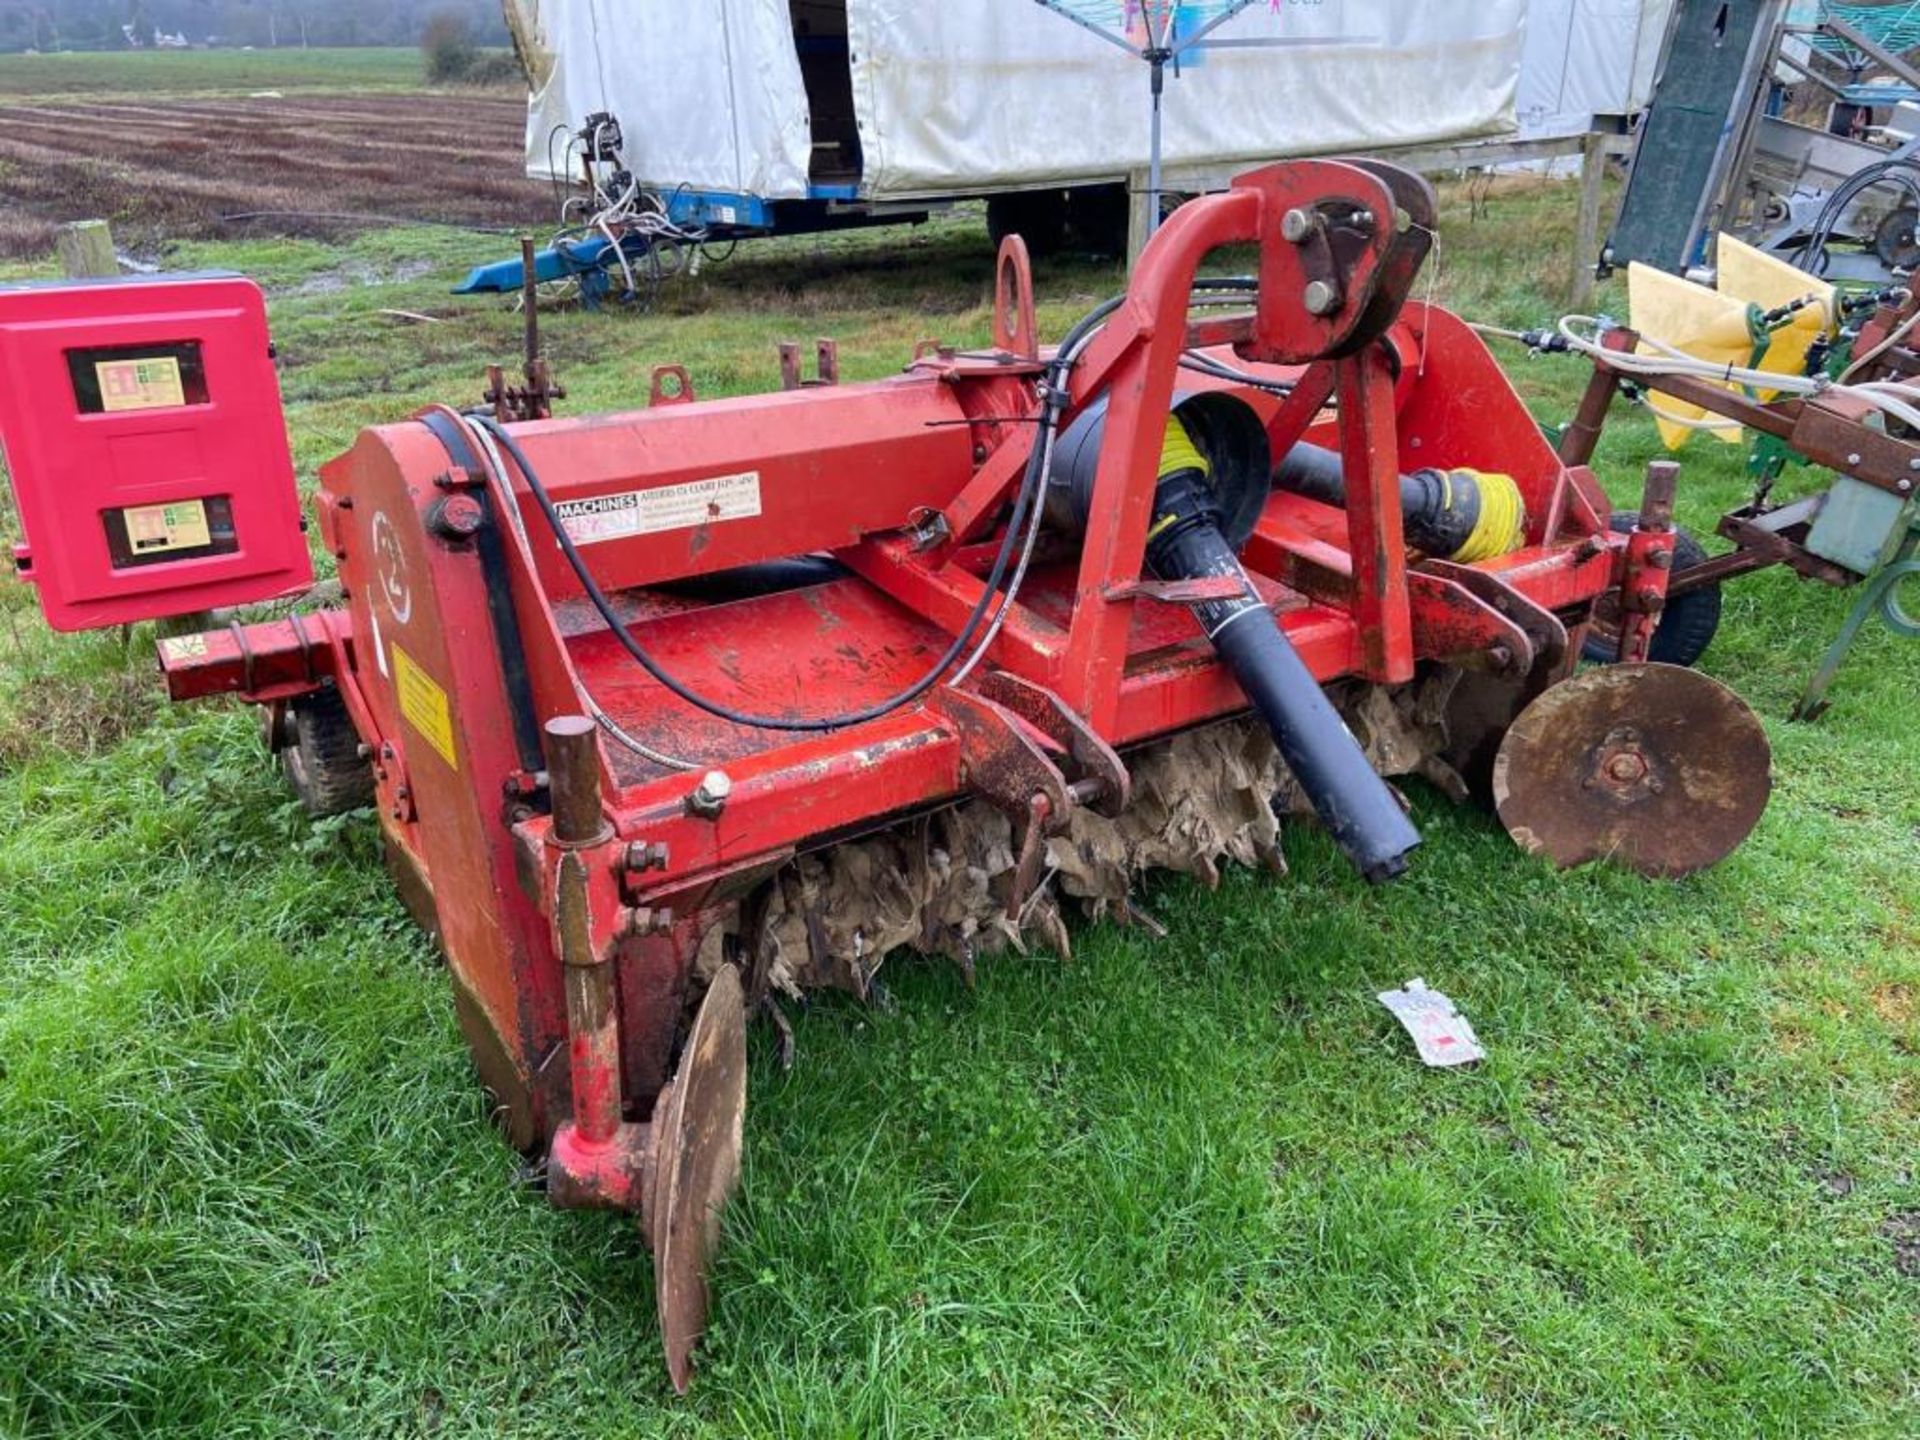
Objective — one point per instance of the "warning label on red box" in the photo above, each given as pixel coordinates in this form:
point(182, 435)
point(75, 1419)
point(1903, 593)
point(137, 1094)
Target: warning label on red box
point(684, 506)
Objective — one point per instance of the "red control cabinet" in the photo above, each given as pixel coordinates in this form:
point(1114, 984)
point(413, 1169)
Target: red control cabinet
point(144, 439)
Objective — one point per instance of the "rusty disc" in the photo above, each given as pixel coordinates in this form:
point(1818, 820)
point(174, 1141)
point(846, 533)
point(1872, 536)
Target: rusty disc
point(696, 1166)
point(1655, 767)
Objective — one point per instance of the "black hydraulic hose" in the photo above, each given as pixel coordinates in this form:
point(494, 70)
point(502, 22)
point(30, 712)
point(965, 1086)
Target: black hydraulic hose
point(1359, 808)
point(1207, 365)
point(1027, 495)
point(1053, 402)
point(1812, 252)
point(763, 577)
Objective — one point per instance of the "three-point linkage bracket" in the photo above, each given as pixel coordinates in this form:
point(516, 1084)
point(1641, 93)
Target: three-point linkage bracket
point(1340, 244)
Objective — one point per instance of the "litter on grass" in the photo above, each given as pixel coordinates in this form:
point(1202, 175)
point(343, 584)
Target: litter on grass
point(1439, 1030)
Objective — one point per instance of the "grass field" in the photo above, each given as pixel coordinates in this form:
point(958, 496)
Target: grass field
point(1196, 1186)
point(207, 71)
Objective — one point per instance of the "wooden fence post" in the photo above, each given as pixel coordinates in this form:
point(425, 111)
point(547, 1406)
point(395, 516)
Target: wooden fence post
point(1586, 226)
point(86, 250)
point(1139, 216)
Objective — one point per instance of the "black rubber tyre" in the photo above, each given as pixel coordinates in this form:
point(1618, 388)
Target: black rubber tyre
point(322, 756)
point(1037, 216)
point(1097, 219)
point(1686, 626)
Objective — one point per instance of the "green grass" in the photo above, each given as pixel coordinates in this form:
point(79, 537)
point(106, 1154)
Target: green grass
point(1183, 1187)
point(183, 72)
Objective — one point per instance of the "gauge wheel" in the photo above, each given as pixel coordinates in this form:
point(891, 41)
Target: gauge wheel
point(322, 758)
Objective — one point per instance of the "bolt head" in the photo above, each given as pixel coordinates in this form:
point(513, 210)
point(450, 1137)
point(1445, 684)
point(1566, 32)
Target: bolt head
point(709, 798)
point(1296, 225)
point(1320, 298)
point(1853, 459)
point(647, 855)
point(1904, 486)
point(457, 517)
point(645, 920)
point(1626, 768)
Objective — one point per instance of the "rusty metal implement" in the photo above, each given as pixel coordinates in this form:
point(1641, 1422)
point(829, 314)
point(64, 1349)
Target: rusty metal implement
point(671, 713)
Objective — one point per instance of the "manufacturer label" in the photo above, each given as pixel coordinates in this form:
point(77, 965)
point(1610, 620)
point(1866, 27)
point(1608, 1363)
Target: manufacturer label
point(424, 704)
point(156, 529)
point(152, 384)
point(670, 507)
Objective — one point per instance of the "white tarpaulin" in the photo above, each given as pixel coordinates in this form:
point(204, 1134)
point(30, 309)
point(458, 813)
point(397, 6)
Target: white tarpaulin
point(1585, 58)
point(708, 92)
point(957, 96)
point(965, 94)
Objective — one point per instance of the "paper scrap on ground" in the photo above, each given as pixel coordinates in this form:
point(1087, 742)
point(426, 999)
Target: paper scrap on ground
point(1441, 1032)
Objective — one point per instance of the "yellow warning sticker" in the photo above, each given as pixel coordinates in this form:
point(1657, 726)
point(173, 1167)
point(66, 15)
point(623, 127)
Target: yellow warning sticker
point(424, 704)
point(156, 529)
point(150, 384)
point(183, 647)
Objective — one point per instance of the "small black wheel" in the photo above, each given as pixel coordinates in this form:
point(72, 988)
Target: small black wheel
point(1895, 240)
point(322, 757)
point(1038, 217)
point(1686, 626)
point(1097, 218)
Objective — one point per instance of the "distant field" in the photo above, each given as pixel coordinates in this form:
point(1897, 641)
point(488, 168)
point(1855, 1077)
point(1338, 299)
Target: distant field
point(170, 170)
point(187, 71)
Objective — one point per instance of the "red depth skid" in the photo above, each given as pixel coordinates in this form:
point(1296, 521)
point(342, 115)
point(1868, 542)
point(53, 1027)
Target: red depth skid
point(466, 635)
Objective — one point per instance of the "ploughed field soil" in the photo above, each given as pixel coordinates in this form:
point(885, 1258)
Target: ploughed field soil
point(173, 169)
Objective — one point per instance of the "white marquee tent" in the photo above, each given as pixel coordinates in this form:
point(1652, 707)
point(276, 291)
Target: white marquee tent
point(913, 98)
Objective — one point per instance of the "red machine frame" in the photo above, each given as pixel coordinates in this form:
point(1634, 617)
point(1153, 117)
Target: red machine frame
point(571, 881)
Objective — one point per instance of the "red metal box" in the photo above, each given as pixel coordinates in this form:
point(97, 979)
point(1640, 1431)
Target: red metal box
point(144, 439)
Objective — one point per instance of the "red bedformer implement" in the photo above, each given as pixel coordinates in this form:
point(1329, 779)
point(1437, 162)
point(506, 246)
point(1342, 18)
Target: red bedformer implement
point(959, 605)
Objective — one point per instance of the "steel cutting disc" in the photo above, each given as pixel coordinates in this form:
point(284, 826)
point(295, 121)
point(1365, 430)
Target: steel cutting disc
point(696, 1166)
point(1655, 767)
